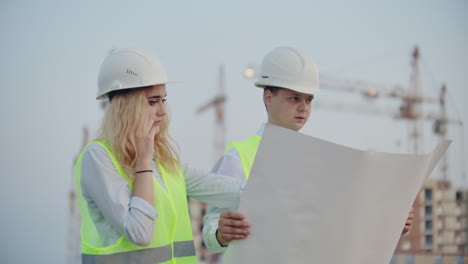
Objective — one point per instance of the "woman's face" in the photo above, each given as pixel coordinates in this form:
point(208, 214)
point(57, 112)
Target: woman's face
point(156, 97)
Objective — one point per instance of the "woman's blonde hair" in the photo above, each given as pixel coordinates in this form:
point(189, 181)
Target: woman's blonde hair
point(125, 115)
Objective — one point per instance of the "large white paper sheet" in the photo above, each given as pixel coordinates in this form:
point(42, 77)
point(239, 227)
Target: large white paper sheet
point(312, 201)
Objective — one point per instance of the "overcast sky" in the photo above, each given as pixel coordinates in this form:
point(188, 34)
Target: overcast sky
point(52, 50)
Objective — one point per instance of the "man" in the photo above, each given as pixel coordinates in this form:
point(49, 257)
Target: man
point(289, 81)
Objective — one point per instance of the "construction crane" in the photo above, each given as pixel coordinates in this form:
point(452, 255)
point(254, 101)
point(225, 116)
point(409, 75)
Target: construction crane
point(411, 98)
point(411, 109)
point(217, 103)
point(198, 209)
point(74, 224)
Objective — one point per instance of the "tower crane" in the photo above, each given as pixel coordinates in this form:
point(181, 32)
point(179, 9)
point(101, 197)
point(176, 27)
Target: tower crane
point(198, 209)
point(74, 223)
point(411, 109)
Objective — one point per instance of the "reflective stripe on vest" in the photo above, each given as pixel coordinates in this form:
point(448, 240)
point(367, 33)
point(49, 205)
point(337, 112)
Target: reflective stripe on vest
point(247, 150)
point(143, 256)
point(172, 239)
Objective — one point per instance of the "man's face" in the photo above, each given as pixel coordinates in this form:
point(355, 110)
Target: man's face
point(288, 108)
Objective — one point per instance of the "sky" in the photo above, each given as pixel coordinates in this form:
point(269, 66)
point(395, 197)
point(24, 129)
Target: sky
point(51, 52)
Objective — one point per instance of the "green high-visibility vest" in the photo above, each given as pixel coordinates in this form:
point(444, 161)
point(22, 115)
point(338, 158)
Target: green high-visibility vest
point(247, 150)
point(172, 240)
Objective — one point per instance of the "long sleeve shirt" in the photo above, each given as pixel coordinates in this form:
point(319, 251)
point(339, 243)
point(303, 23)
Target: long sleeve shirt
point(117, 213)
point(230, 165)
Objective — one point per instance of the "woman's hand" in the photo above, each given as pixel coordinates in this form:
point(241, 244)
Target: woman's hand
point(143, 183)
point(145, 145)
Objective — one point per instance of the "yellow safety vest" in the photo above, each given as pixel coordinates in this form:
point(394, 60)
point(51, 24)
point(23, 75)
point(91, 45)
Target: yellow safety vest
point(247, 150)
point(172, 240)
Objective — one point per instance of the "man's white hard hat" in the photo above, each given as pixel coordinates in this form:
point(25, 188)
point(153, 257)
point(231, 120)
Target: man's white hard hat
point(129, 68)
point(289, 68)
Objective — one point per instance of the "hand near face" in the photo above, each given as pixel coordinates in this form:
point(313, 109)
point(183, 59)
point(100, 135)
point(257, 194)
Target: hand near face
point(145, 143)
point(232, 226)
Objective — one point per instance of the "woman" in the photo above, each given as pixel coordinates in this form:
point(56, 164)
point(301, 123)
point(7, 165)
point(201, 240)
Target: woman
point(132, 191)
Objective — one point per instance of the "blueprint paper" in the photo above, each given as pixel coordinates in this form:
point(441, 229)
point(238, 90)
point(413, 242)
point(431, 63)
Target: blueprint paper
point(312, 201)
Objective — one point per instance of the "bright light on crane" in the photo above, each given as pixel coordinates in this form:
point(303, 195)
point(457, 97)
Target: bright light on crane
point(372, 93)
point(249, 72)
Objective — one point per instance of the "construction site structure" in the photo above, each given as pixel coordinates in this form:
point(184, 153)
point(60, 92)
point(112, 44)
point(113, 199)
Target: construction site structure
point(439, 231)
point(197, 208)
point(74, 224)
point(439, 237)
point(410, 96)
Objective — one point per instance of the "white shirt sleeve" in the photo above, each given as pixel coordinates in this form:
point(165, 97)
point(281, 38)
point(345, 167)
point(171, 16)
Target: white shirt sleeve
point(112, 207)
point(230, 165)
point(213, 188)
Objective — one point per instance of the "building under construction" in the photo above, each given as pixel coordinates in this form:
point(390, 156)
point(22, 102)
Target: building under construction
point(439, 231)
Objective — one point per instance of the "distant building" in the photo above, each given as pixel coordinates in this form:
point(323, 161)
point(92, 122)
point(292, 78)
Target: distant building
point(440, 227)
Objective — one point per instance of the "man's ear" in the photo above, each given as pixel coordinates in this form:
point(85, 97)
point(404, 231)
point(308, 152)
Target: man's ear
point(267, 97)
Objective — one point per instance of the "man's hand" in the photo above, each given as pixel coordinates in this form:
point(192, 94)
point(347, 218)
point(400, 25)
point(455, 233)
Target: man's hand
point(232, 226)
point(408, 223)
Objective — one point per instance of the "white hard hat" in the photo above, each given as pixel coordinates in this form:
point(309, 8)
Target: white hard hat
point(289, 68)
point(129, 68)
